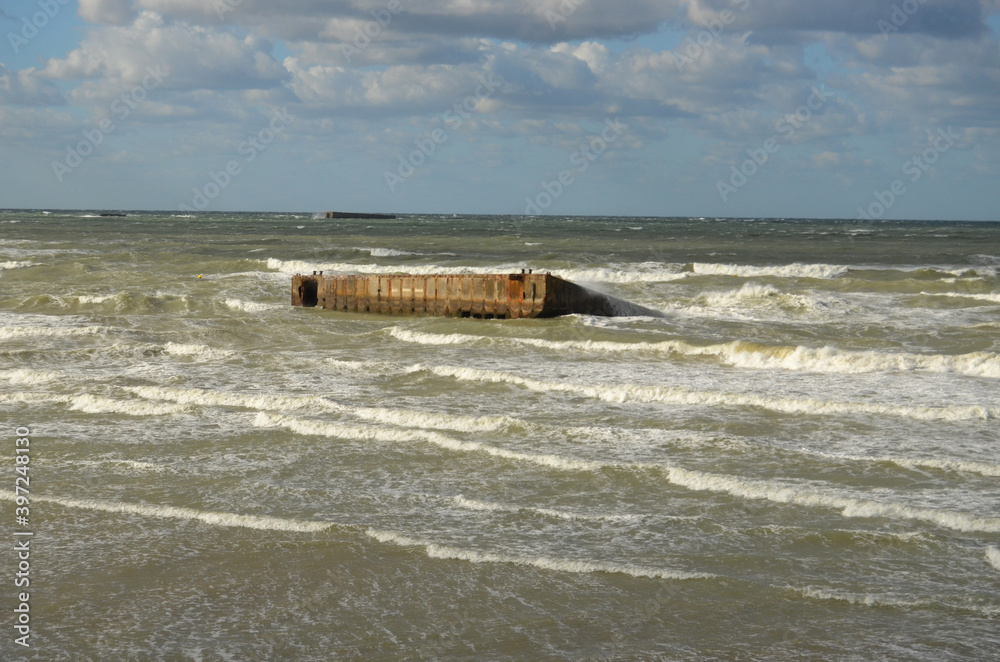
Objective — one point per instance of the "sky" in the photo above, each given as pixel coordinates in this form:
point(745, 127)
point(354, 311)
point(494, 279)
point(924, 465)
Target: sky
point(848, 109)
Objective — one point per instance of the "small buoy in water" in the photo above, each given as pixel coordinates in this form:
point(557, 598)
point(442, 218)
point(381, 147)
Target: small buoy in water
point(199, 275)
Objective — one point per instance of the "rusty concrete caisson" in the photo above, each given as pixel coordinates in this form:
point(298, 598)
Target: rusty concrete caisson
point(482, 296)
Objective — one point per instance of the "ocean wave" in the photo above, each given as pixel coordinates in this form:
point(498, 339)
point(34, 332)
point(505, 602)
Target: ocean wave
point(485, 506)
point(197, 351)
point(875, 600)
point(435, 339)
point(250, 306)
point(17, 332)
point(259, 522)
point(22, 264)
point(993, 556)
point(92, 404)
point(993, 298)
point(744, 354)
point(26, 377)
point(292, 267)
point(283, 404)
point(649, 272)
point(859, 599)
point(755, 294)
point(962, 466)
point(94, 298)
point(336, 430)
point(380, 434)
point(796, 270)
point(848, 506)
point(689, 479)
point(386, 252)
point(672, 395)
point(437, 551)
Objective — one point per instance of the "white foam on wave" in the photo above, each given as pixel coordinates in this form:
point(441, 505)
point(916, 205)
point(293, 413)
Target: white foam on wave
point(94, 298)
point(250, 306)
point(93, 404)
point(993, 556)
point(300, 267)
point(743, 354)
point(486, 506)
point(259, 522)
point(848, 506)
point(859, 599)
point(436, 551)
point(436, 339)
point(15, 264)
point(648, 272)
point(672, 395)
point(753, 295)
point(25, 377)
point(197, 351)
point(418, 419)
point(386, 252)
point(797, 270)
point(635, 273)
point(283, 404)
point(993, 298)
point(964, 466)
point(140, 466)
point(885, 601)
point(17, 332)
point(336, 430)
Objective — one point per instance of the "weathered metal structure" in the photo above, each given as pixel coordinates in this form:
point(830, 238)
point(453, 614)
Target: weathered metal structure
point(483, 296)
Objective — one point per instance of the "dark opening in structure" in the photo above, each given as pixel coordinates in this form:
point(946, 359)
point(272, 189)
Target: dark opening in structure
point(309, 293)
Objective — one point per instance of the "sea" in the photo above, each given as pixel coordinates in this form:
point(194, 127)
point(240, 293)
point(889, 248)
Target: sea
point(798, 458)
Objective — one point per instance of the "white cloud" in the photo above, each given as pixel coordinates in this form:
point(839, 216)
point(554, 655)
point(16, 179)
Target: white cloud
point(108, 12)
point(27, 88)
point(113, 59)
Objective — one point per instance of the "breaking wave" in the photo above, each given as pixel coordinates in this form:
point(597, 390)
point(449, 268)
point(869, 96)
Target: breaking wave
point(679, 396)
point(436, 551)
point(15, 264)
point(819, 271)
point(17, 332)
point(25, 377)
point(485, 506)
point(993, 556)
point(744, 354)
point(848, 506)
point(259, 522)
point(197, 351)
point(993, 298)
point(250, 306)
point(310, 427)
point(92, 404)
point(284, 404)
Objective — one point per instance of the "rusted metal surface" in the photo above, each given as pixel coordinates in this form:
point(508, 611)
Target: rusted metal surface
point(483, 296)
